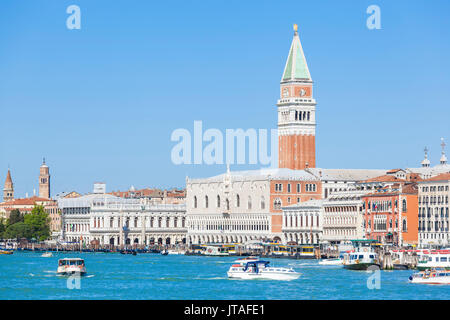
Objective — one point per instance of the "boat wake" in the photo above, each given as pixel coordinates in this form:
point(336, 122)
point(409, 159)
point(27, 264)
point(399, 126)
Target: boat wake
point(213, 278)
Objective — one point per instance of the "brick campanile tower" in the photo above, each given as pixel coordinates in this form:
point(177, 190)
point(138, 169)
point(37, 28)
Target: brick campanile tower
point(44, 181)
point(8, 190)
point(296, 112)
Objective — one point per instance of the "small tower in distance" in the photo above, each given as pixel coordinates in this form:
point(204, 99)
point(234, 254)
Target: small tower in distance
point(8, 190)
point(44, 181)
point(425, 163)
point(443, 157)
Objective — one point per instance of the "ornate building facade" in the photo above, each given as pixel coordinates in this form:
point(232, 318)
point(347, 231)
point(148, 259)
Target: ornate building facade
point(434, 209)
point(118, 221)
point(303, 222)
point(240, 206)
point(390, 214)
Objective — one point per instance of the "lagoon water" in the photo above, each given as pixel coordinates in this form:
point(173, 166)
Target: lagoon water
point(27, 275)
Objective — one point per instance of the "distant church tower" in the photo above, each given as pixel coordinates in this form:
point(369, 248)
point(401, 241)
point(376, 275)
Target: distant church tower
point(44, 181)
point(8, 190)
point(296, 112)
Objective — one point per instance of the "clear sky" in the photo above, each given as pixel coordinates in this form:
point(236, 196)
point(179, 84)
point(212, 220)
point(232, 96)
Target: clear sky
point(100, 103)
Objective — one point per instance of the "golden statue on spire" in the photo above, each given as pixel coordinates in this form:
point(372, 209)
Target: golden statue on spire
point(295, 27)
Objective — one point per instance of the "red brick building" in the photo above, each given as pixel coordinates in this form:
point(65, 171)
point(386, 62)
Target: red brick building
point(391, 214)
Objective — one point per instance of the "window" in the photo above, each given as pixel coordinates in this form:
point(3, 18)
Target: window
point(277, 204)
point(263, 203)
point(218, 201)
point(298, 187)
point(404, 208)
point(238, 201)
point(249, 204)
point(195, 201)
point(206, 202)
point(289, 187)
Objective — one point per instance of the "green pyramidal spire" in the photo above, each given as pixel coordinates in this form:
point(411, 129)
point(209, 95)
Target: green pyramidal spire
point(296, 67)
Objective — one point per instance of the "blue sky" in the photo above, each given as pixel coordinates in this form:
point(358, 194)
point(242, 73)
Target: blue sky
point(100, 103)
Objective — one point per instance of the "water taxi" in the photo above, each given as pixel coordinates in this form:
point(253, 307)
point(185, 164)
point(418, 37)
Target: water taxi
point(68, 266)
point(434, 259)
point(433, 276)
point(6, 251)
point(47, 255)
point(361, 260)
point(259, 269)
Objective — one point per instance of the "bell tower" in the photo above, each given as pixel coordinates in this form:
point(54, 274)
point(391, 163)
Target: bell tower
point(8, 190)
point(296, 112)
point(44, 181)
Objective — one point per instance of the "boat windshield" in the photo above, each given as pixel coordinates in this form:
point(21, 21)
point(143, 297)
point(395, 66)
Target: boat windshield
point(71, 262)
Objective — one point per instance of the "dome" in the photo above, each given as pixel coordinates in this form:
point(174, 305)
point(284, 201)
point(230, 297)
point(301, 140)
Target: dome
point(425, 162)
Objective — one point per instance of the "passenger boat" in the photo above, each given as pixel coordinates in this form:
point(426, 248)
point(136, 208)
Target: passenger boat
point(260, 269)
point(68, 266)
point(433, 276)
point(331, 262)
point(47, 255)
point(6, 251)
point(361, 259)
point(434, 259)
point(164, 252)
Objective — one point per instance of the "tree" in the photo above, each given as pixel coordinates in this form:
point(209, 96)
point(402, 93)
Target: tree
point(2, 228)
point(38, 221)
point(15, 216)
point(18, 230)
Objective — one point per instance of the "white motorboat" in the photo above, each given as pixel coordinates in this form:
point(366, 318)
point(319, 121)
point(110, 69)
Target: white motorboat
point(259, 269)
point(433, 276)
point(331, 262)
point(68, 266)
point(47, 255)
